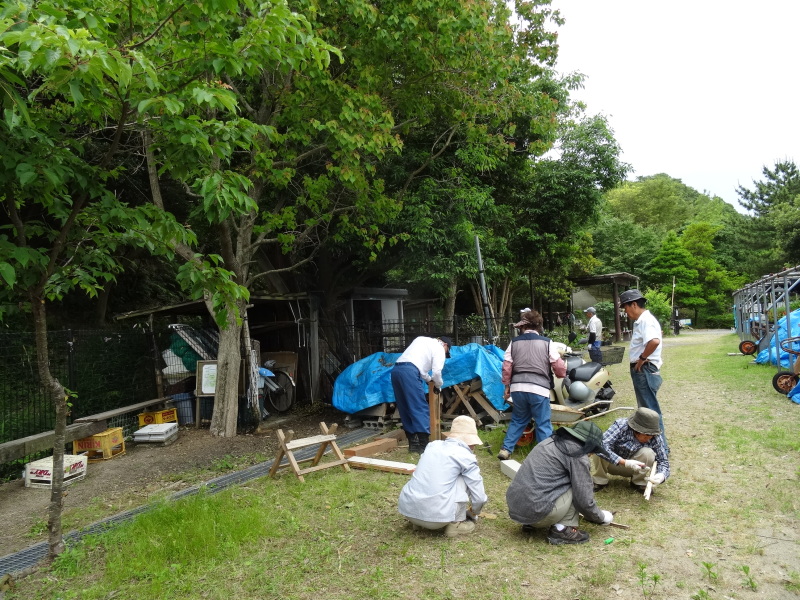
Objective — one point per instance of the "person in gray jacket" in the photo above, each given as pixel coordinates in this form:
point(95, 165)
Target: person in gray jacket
point(554, 485)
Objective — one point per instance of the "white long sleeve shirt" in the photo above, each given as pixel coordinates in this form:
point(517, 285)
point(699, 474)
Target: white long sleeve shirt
point(434, 491)
point(427, 354)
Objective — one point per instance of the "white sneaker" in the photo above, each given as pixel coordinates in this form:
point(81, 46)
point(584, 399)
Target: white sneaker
point(503, 454)
point(459, 528)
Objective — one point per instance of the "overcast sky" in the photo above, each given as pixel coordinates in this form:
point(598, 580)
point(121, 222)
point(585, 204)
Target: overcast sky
point(704, 90)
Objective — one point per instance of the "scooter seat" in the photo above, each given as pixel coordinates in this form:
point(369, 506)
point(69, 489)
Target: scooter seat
point(585, 372)
point(573, 362)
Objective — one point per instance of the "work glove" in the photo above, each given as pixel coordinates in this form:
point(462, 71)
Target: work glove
point(636, 465)
point(607, 517)
point(655, 479)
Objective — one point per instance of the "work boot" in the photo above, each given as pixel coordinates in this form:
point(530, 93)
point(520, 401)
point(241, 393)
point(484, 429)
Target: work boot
point(423, 439)
point(459, 528)
point(413, 443)
point(503, 454)
point(568, 535)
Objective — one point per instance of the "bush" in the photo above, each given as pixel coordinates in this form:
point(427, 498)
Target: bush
point(658, 304)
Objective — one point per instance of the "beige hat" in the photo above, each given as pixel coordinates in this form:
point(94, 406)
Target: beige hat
point(464, 429)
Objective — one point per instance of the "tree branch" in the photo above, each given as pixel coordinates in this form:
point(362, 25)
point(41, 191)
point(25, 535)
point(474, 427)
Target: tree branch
point(157, 29)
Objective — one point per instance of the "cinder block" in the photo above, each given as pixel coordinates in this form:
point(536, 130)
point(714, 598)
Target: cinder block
point(372, 448)
point(509, 468)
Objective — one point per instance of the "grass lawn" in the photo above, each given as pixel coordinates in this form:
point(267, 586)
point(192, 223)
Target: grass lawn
point(725, 525)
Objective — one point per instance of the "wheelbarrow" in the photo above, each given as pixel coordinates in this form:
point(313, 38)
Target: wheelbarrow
point(785, 381)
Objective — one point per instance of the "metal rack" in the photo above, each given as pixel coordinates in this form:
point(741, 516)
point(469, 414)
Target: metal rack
point(756, 307)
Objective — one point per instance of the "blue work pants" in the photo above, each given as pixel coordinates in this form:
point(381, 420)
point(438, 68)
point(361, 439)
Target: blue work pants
point(645, 385)
point(410, 395)
point(528, 406)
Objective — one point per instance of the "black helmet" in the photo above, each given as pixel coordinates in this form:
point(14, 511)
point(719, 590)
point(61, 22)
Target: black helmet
point(630, 296)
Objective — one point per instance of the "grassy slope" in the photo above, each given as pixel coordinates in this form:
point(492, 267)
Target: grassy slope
point(732, 502)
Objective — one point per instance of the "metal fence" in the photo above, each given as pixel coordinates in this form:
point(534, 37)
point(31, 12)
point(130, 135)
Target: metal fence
point(105, 369)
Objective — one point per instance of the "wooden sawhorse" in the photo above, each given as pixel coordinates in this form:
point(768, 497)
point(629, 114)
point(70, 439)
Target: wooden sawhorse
point(288, 446)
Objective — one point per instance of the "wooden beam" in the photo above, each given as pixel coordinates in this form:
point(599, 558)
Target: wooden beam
point(372, 448)
point(478, 396)
point(434, 403)
point(391, 466)
point(40, 442)
point(104, 416)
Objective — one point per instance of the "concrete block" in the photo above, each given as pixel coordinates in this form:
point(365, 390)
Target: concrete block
point(509, 467)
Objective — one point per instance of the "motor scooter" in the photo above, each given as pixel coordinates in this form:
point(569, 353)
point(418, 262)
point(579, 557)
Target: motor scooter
point(586, 386)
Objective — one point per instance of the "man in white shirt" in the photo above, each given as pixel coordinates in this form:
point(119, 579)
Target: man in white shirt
point(644, 353)
point(595, 330)
point(422, 362)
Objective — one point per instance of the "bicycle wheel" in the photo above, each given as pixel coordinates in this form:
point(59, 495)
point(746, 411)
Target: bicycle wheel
point(282, 400)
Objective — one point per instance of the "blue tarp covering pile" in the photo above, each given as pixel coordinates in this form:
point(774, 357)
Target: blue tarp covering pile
point(367, 382)
point(768, 355)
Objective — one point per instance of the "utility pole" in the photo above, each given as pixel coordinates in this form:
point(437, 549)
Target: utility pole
point(487, 314)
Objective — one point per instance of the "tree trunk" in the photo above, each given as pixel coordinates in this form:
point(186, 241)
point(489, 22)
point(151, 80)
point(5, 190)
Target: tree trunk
point(226, 399)
point(59, 397)
point(450, 305)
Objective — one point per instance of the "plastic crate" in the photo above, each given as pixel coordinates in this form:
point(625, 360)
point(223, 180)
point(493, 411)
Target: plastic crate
point(39, 473)
point(158, 417)
point(612, 355)
point(101, 446)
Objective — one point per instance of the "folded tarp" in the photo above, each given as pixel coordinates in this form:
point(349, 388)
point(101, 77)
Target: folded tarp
point(368, 382)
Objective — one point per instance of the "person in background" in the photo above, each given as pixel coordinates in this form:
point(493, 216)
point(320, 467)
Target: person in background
point(644, 353)
point(630, 447)
point(553, 486)
point(528, 367)
point(595, 331)
point(446, 490)
point(422, 362)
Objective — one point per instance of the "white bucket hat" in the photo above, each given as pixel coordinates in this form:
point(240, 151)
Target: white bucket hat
point(464, 429)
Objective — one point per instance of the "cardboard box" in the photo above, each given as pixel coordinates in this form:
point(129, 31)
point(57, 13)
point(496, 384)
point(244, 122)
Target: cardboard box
point(101, 446)
point(39, 473)
point(158, 417)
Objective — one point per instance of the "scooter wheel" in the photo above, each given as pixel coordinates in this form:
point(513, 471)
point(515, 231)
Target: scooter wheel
point(784, 381)
point(748, 347)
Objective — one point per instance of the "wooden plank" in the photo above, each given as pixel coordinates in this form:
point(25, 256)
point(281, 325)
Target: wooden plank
point(465, 401)
point(44, 441)
point(486, 405)
point(372, 448)
point(309, 441)
point(396, 434)
point(326, 465)
point(104, 416)
point(390, 466)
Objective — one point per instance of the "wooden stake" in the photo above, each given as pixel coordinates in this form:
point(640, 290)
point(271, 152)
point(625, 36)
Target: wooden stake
point(649, 489)
point(434, 403)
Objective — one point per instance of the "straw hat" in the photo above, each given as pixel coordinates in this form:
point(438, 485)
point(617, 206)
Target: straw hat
point(464, 429)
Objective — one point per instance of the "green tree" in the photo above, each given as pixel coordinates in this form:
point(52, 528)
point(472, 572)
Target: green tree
point(773, 235)
point(673, 266)
point(64, 220)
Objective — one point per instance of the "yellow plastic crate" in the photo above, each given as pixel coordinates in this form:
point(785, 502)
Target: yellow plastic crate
point(101, 446)
point(158, 417)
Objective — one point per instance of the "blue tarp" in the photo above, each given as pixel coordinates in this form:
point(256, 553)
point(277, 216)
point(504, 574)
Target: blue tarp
point(367, 382)
point(794, 394)
point(768, 355)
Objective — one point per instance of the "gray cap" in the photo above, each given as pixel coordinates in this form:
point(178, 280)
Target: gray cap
point(630, 296)
point(645, 421)
point(591, 309)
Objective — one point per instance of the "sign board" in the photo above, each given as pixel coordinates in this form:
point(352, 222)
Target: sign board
point(206, 378)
